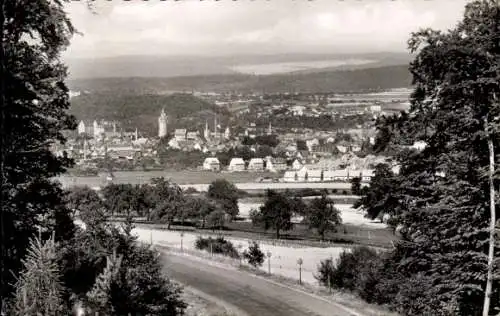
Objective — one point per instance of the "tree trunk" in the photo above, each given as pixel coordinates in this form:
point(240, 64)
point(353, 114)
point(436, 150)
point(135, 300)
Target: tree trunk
point(277, 233)
point(489, 281)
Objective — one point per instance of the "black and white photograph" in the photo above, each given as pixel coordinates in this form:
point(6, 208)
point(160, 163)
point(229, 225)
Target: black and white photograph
point(250, 158)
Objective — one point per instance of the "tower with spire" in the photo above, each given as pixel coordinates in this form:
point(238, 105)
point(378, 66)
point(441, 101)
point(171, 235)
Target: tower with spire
point(162, 124)
point(206, 132)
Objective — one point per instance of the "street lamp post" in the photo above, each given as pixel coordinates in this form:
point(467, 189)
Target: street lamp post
point(151, 238)
point(269, 262)
point(299, 262)
point(182, 237)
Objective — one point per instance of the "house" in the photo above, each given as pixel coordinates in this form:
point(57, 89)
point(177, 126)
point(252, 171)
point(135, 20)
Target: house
point(355, 148)
point(180, 134)
point(336, 175)
point(192, 135)
point(419, 145)
point(342, 149)
point(296, 165)
point(174, 143)
point(275, 164)
point(236, 164)
point(314, 175)
point(366, 175)
point(211, 163)
point(126, 152)
point(290, 176)
point(256, 164)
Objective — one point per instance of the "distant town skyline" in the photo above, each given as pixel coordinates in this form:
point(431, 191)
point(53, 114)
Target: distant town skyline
point(210, 28)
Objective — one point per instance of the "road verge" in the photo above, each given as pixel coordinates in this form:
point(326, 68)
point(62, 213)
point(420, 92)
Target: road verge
point(346, 301)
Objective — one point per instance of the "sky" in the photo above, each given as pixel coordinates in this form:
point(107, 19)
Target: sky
point(208, 27)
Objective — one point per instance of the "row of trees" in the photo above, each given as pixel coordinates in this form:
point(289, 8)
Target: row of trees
point(161, 201)
point(279, 209)
point(445, 198)
point(164, 202)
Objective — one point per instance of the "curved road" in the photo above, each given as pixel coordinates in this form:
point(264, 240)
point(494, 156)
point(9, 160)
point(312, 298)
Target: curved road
point(251, 295)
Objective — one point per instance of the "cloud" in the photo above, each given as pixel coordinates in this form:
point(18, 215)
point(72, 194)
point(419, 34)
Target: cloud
point(245, 26)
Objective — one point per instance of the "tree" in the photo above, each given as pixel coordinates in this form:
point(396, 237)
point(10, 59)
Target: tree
point(39, 288)
point(277, 212)
point(216, 219)
point(99, 298)
point(169, 200)
point(254, 255)
point(445, 192)
point(32, 118)
point(323, 216)
point(381, 196)
point(225, 193)
point(356, 185)
point(88, 204)
point(301, 145)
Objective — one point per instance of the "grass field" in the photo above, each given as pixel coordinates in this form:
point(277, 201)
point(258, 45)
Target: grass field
point(185, 177)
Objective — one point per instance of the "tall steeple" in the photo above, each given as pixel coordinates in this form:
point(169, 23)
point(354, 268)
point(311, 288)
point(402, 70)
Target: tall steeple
point(269, 129)
point(206, 132)
point(162, 124)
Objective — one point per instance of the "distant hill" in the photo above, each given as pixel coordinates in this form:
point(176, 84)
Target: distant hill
point(176, 66)
point(141, 111)
point(352, 80)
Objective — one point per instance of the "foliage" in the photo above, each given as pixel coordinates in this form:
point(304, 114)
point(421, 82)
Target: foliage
point(323, 216)
point(217, 245)
point(33, 110)
point(140, 110)
point(276, 213)
point(356, 185)
point(99, 298)
point(357, 270)
point(216, 219)
point(88, 204)
point(442, 192)
point(168, 199)
point(381, 196)
point(254, 255)
point(39, 287)
point(301, 145)
point(225, 193)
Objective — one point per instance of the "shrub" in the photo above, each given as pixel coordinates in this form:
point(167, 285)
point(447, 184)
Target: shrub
point(354, 270)
point(217, 245)
point(254, 255)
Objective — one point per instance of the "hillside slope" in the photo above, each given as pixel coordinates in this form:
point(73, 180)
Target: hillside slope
point(367, 79)
point(137, 110)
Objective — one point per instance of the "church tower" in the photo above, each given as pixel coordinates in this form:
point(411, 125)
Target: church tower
point(206, 132)
point(162, 124)
point(227, 133)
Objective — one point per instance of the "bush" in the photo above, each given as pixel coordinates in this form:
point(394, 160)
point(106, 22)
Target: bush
point(254, 255)
point(217, 245)
point(354, 270)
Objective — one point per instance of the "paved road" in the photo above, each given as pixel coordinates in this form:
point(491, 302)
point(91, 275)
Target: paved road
point(253, 296)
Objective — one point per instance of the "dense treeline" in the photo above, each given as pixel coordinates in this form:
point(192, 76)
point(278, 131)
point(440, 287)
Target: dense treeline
point(48, 265)
point(444, 200)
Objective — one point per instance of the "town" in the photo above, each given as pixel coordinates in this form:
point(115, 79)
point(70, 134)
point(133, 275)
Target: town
point(289, 153)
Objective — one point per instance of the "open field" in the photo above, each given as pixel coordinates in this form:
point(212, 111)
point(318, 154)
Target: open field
point(185, 177)
point(200, 180)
